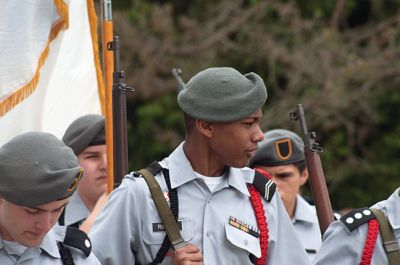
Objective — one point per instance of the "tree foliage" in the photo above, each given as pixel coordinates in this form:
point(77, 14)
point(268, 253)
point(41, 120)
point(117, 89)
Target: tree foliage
point(340, 59)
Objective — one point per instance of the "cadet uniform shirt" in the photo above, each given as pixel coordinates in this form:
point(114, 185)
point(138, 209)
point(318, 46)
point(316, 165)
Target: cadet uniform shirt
point(75, 211)
point(128, 229)
point(11, 253)
point(345, 248)
point(305, 222)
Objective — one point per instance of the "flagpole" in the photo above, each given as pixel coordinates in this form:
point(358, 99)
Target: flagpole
point(108, 67)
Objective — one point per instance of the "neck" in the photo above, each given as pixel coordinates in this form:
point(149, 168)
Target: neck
point(202, 159)
point(290, 207)
point(88, 201)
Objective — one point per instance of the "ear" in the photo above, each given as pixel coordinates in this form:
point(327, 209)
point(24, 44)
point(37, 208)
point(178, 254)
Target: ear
point(304, 177)
point(205, 128)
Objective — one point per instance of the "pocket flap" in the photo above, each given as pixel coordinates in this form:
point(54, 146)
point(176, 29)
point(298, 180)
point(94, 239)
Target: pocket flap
point(243, 240)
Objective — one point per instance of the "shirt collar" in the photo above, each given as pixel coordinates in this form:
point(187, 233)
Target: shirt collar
point(49, 243)
point(76, 210)
point(304, 211)
point(181, 172)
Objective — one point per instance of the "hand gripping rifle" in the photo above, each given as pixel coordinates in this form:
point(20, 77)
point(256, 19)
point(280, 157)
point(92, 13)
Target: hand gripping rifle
point(119, 90)
point(317, 178)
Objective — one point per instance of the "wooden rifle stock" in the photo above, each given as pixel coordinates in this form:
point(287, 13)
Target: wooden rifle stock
point(119, 116)
point(317, 178)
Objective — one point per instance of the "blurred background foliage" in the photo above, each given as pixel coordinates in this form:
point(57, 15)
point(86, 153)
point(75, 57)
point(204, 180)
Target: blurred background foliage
point(340, 59)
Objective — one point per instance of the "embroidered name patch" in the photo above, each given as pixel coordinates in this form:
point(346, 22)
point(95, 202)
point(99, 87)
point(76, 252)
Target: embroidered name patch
point(159, 227)
point(254, 231)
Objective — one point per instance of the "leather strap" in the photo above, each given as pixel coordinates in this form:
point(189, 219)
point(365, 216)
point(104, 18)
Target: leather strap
point(166, 215)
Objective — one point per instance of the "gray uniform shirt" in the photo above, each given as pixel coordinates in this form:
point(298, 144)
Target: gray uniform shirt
point(76, 210)
point(305, 222)
point(128, 231)
point(345, 248)
point(45, 254)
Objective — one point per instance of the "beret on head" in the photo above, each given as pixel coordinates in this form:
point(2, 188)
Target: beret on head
point(85, 131)
point(222, 94)
point(279, 147)
point(37, 168)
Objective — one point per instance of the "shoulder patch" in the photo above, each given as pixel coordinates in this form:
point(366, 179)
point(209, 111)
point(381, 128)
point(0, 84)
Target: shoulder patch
point(356, 218)
point(264, 185)
point(76, 238)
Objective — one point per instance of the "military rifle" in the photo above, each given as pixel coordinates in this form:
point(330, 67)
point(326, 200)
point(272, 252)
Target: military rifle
point(119, 90)
point(319, 189)
point(176, 72)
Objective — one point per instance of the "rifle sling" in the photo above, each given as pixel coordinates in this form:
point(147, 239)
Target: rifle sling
point(166, 215)
point(390, 243)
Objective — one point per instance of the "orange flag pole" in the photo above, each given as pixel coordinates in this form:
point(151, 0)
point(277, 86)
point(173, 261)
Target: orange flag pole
point(108, 67)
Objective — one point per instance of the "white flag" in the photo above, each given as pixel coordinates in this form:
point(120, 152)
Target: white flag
point(49, 65)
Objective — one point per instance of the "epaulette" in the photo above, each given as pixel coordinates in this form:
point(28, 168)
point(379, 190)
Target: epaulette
point(78, 239)
point(264, 185)
point(357, 217)
point(153, 168)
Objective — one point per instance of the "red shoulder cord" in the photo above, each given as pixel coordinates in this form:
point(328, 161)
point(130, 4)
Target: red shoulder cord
point(373, 230)
point(256, 201)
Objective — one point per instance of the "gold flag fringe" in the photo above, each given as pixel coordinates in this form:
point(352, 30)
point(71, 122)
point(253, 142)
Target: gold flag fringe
point(93, 31)
point(25, 91)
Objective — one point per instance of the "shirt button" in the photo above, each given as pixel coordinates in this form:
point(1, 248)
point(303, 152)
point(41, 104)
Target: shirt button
point(246, 242)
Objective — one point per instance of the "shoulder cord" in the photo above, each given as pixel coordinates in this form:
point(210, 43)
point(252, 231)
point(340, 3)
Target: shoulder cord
point(65, 254)
point(373, 230)
point(256, 201)
point(174, 205)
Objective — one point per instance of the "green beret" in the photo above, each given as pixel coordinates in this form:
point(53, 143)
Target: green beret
point(37, 168)
point(279, 147)
point(222, 94)
point(85, 131)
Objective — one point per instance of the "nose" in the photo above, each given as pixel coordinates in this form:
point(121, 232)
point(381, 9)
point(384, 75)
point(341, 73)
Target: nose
point(44, 222)
point(103, 163)
point(258, 135)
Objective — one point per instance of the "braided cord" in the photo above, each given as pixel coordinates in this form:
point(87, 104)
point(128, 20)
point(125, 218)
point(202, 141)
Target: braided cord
point(65, 254)
point(373, 230)
point(255, 198)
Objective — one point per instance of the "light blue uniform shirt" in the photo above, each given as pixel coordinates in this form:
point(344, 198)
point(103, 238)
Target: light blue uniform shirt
point(76, 210)
point(123, 233)
point(47, 253)
point(305, 222)
point(345, 248)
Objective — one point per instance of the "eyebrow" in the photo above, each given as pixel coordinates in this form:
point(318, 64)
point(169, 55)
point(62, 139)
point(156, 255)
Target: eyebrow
point(43, 210)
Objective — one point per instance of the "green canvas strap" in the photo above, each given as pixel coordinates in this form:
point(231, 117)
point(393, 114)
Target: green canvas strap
point(390, 243)
point(165, 213)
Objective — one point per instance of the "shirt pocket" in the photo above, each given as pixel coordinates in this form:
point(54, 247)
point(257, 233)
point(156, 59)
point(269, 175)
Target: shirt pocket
point(154, 233)
point(243, 240)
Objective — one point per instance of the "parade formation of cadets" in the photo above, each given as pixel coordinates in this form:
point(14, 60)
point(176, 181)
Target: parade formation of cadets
point(220, 210)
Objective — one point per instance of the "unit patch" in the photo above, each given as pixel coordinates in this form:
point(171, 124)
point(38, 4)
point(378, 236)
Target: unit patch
point(244, 227)
point(284, 148)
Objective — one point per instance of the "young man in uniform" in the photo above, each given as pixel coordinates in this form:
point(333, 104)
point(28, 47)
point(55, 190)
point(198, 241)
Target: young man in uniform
point(358, 238)
point(222, 217)
point(281, 155)
point(38, 175)
point(86, 137)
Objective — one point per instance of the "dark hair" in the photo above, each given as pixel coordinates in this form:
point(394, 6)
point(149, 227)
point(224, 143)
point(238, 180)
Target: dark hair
point(301, 166)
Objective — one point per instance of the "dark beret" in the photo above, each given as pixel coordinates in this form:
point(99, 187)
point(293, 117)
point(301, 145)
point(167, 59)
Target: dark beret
point(279, 147)
point(222, 94)
point(37, 168)
point(85, 131)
